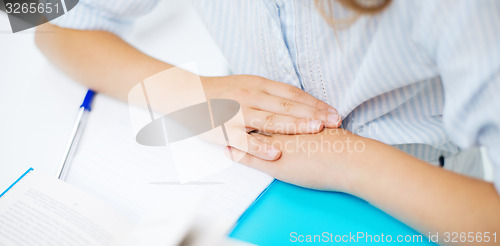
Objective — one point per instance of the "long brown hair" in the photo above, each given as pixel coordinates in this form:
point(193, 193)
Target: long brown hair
point(360, 7)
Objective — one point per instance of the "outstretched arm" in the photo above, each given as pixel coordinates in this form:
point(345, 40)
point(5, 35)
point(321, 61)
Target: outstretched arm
point(98, 59)
point(109, 65)
point(426, 197)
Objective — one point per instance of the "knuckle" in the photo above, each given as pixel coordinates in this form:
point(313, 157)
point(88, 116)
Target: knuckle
point(270, 119)
point(287, 105)
point(295, 92)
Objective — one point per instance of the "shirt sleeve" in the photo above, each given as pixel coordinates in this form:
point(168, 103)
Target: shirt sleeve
point(467, 53)
point(115, 16)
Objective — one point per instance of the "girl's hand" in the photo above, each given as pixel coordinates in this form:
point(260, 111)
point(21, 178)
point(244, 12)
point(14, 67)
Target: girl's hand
point(272, 107)
point(319, 161)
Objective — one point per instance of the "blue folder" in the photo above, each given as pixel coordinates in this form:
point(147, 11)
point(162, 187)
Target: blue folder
point(286, 214)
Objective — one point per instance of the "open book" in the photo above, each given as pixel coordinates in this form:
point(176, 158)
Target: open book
point(42, 210)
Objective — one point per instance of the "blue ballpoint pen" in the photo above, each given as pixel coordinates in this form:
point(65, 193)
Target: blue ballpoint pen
point(75, 135)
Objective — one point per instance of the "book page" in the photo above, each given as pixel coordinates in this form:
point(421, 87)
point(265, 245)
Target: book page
point(110, 164)
point(42, 210)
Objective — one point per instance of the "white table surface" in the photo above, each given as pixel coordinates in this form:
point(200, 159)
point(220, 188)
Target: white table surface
point(38, 103)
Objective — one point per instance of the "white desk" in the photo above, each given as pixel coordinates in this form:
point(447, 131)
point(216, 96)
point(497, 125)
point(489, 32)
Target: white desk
point(38, 104)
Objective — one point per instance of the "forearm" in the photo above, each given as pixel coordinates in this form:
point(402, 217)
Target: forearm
point(100, 60)
point(424, 196)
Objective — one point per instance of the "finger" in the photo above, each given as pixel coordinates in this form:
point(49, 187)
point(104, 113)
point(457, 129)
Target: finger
point(261, 136)
point(295, 94)
point(270, 139)
point(276, 123)
point(288, 107)
point(269, 167)
point(254, 146)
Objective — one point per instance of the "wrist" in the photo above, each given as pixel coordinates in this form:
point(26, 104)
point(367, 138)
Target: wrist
point(358, 169)
point(208, 85)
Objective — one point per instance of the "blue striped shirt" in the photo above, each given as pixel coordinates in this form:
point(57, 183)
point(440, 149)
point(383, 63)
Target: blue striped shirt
point(422, 76)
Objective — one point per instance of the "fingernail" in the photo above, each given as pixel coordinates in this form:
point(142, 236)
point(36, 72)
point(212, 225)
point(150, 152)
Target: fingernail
point(332, 110)
point(314, 125)
point(333, 119)
point(272, 152)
